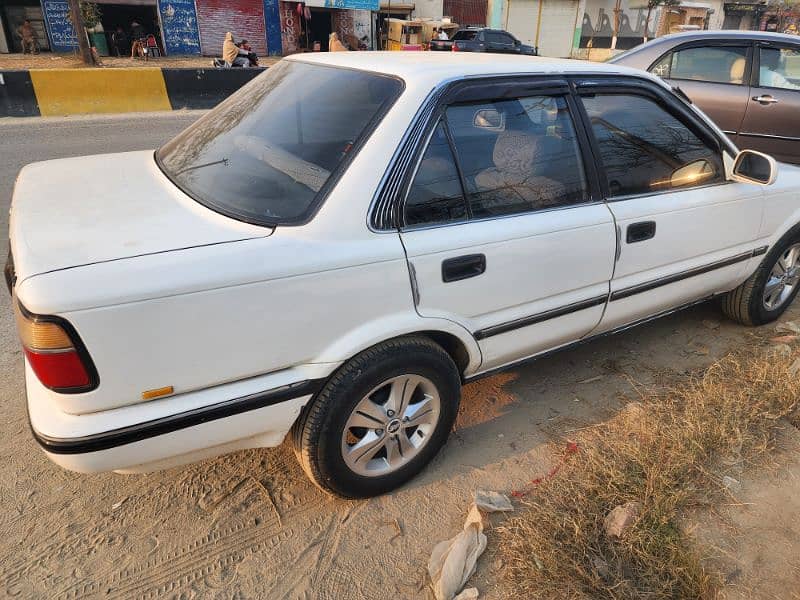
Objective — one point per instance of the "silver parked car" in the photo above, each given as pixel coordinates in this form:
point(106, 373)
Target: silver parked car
point(748, 82)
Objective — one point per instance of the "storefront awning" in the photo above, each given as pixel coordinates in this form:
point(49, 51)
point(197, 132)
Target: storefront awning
point(398, 7)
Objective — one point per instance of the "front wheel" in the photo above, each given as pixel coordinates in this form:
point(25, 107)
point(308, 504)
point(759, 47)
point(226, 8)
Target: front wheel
point(379, 419)
point(770, 290)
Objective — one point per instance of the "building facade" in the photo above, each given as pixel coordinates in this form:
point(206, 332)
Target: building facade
point(197, 27)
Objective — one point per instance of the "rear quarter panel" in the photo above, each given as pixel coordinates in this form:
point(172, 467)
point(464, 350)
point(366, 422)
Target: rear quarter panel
point(196, 338)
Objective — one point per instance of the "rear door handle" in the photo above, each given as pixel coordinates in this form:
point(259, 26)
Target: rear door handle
point(463, 267)
point(766, 99)
point(639, 232)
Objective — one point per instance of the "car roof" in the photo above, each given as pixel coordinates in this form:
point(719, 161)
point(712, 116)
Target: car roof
point(726, 34)
point(444, 66)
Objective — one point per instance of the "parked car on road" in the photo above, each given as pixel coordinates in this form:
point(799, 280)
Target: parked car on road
point(338, 269)
point(482, 39)
point(748, 82)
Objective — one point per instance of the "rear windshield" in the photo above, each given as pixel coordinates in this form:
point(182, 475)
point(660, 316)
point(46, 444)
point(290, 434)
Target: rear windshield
point(465, 35)
point(267, 154)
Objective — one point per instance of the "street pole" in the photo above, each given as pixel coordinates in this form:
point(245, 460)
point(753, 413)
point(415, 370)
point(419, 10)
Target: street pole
point(80, 31)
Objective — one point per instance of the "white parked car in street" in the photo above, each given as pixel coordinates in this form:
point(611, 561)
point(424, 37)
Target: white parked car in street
point(340, 245)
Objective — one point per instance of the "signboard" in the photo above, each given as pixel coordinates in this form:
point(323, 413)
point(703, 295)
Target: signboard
point(59, 28)
point(179, 23)
point(272, 19)
point(347, 4)
point(741, 9)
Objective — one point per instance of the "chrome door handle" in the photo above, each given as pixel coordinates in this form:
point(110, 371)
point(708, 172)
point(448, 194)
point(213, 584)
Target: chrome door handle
point(765, 99)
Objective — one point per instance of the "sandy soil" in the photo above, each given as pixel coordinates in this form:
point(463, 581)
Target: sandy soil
point(753, 538)
point(52, 60)
point(250, 525)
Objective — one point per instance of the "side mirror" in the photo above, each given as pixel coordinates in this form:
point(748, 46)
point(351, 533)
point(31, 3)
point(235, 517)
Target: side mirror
point(751, 166)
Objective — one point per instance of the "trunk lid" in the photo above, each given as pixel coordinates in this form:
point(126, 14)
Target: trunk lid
point(77, 211)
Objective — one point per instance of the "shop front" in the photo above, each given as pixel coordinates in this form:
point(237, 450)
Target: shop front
point(121, 21)
point(746, 16)
point(253, 20)
point(173, 24)
point(12, 15)
point(306, 26)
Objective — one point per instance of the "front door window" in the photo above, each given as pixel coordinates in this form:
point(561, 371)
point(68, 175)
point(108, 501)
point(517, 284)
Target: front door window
point(644, 149)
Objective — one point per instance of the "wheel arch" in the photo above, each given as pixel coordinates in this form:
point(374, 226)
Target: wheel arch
point(457, 341)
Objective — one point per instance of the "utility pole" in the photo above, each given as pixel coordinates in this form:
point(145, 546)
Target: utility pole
point(80, 31)
point(617, 13)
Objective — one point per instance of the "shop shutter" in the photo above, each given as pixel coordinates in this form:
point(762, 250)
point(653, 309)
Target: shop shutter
point(244, 18)
point(466, 12)
point(558, 27)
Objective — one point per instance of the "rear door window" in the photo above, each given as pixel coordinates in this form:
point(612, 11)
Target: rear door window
point(517, 155)
point(717, 64)
point(436, 195)
point(779, 68)
point(465, 34)
point(505, 157)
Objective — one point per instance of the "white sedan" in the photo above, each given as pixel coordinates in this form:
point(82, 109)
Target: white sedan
point(341, 244)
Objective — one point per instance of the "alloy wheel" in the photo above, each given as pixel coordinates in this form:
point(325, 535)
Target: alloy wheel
point(783, 278)
point(390, 425)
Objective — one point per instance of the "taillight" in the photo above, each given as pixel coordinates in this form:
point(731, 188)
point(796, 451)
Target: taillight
point(454, 47)
point(55, 352)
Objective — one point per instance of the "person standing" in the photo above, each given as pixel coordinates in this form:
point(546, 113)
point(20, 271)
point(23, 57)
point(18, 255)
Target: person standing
point(28, 35)
point(442, 35)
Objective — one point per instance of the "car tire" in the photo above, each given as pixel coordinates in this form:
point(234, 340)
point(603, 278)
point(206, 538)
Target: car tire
point(412, 374)
point(750, 304)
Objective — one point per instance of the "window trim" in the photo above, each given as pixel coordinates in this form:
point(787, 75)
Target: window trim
point(401, 213)
point(747, 44)
point(755, 80)
point(587, 86)
point(513, 88)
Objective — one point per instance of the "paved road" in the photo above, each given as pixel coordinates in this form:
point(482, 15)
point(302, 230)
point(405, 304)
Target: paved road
point(24, 141)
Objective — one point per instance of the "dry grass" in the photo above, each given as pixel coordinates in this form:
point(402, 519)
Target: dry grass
point(667, 452)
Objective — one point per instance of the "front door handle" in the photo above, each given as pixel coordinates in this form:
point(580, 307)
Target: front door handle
point(639, 232)
point(765, 99)
point(463, 267)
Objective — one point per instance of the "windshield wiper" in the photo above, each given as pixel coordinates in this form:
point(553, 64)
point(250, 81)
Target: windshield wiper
point(223, 161)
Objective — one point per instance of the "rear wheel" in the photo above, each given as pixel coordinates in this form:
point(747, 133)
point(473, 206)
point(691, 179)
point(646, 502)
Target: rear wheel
point(380, 419)
point(770, 290)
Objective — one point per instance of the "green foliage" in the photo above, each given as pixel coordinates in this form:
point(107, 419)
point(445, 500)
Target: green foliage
point(90, 13)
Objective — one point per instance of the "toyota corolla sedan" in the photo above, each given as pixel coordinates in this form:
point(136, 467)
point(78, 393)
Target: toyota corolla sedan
point(334, 250)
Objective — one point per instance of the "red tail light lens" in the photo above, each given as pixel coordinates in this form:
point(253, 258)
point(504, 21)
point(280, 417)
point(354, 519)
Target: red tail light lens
point(454, 47)
point(55, 352)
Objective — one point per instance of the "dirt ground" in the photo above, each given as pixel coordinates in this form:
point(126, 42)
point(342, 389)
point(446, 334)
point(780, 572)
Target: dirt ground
point(53, 60)
point(753, 539)
point(250, 525)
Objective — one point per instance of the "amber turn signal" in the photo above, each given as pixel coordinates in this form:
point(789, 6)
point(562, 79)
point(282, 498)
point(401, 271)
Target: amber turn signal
point(157, 393)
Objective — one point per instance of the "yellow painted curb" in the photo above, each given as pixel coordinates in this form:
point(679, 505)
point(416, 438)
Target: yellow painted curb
point(84, 91)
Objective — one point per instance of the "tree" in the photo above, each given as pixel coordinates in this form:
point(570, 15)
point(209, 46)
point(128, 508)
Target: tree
point(651, 4)
point(77, 20)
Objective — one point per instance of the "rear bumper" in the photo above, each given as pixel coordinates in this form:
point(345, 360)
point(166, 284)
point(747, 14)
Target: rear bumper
point(169, 432)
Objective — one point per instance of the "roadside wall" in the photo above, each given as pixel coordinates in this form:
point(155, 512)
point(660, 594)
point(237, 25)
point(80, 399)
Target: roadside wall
point(59, 92)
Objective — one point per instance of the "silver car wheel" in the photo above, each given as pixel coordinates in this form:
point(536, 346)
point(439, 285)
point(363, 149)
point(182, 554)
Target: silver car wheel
point(782, 279)
point(391, 425)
